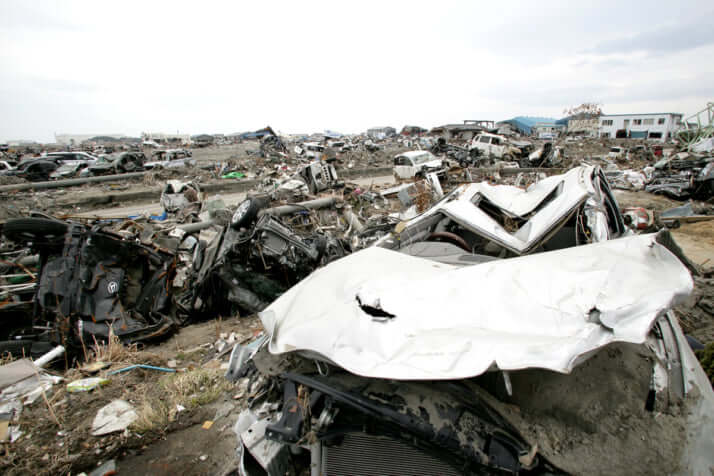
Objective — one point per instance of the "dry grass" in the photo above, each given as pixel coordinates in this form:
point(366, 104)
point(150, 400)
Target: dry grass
point(117, 354)
point(6, 358)
point(112, 351)
point(189, 389)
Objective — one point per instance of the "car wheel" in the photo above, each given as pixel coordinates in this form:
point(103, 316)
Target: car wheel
point(36, 230)
point(246, 212)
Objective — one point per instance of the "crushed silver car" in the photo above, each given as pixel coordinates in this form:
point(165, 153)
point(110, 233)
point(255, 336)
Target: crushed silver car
point(501, 330)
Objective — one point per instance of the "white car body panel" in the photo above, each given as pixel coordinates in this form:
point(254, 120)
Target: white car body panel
point(458, 322)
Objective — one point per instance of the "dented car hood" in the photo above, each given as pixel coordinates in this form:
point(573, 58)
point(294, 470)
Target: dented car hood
point(384, 314)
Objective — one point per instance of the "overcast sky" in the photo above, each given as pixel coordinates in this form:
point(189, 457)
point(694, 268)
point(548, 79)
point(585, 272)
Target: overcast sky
point(220, 67)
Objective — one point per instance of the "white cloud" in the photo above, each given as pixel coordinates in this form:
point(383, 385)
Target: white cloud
point(128, 67)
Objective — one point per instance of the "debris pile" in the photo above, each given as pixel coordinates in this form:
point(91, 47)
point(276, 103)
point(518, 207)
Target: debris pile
point(316, 302)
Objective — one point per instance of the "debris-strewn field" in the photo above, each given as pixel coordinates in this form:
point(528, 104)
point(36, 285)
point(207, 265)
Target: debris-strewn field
point(284, 300)
point(170, 433)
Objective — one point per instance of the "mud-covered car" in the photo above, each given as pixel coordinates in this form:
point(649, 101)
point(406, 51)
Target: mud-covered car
point(171, 158)
point(122, 163)
point(505, 330)
point(88, 281)
point(34, 170)
point(68, 170)
point(72, 158)
point(680, 179)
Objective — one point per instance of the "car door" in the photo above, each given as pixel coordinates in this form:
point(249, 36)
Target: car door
point(403, 167)
point(66, 159)
point(484, 144)
point(496, 147)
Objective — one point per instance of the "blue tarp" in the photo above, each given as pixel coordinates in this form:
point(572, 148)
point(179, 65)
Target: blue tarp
point(524, 124)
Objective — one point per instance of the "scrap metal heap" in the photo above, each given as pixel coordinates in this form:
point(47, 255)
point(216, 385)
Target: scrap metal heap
point(503, 330)
point(74, 280)
point(441, 325)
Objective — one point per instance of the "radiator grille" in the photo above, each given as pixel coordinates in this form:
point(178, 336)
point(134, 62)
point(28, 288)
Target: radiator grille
point(361, 454)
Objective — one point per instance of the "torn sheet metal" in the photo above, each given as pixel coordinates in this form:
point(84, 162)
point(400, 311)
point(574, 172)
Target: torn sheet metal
point(544, 204)
point(385, 314)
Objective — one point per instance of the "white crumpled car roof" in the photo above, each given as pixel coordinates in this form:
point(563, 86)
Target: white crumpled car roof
point(458, 322)
point(576, 188)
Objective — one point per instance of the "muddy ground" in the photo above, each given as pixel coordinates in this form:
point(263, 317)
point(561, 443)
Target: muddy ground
point(163, 441)
point(212, 164)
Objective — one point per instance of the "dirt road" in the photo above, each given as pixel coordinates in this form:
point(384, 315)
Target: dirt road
point(230, 199)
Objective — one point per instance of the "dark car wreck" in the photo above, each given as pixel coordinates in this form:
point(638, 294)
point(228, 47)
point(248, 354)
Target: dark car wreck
point(91, 282)
point(500, 331)
point(256, 258)
point(680, 179)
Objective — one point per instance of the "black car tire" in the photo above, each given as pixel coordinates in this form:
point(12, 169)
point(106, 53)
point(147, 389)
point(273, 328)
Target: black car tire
point(34, 229)
point(246, 212)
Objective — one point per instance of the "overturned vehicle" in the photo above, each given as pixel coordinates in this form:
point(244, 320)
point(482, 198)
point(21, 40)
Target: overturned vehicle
point(501, 331)
point(257, 258)
point(681, 179)
point(90, 282)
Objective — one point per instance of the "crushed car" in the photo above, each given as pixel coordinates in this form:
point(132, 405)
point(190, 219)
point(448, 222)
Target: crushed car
point(497, 147)
point(547, 155)
point(409, 165)
point(310, 150)
point(257, 258)
point(683, 178)
point(122, 163)
point(91, 282)
point(72, 157)
point(68, 170)
point(170, 158)
point(504, 330)
point(307, 179)
point(34, 170)
point(183, 199)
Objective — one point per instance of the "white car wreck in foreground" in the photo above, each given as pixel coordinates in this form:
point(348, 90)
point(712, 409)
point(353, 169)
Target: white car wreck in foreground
point(480, 337)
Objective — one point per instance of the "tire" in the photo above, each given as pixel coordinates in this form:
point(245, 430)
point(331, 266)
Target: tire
point(36, 230)
point(247, 212)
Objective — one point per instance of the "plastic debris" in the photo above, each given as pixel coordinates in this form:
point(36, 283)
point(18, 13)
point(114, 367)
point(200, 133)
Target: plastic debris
point(86, 384)
point(233, 175)
point(140, 366)
point(116, 416)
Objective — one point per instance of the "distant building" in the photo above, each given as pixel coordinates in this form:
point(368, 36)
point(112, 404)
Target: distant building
point(661, 126)
point(161, 137)
point(547, 130)
point(77, 139)
point(485, 124)
point(583, 125)
point(526, 125)
point(465, 132)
